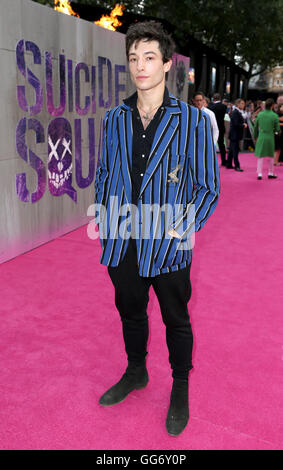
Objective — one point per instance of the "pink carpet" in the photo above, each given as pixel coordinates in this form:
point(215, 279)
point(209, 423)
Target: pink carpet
point(61, 342)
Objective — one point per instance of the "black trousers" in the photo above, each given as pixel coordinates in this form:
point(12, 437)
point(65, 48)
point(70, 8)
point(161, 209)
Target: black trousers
point(233, 153)
point(173, 291)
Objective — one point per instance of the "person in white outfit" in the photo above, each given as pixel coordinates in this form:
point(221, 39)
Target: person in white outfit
point(199, 102)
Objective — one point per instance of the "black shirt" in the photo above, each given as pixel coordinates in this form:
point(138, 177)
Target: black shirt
point(142, 141)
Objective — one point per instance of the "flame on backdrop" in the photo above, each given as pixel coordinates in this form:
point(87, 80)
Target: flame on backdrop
point(65, 7)
point(111, 21)
point(106, 21)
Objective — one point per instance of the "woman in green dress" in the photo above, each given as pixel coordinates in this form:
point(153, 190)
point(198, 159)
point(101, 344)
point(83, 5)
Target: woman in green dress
point(266, 124)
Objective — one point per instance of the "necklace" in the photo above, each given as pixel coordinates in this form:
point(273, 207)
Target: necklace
point(147, 116)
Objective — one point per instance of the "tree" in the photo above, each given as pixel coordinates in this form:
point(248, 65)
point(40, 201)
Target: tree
point(248, 33)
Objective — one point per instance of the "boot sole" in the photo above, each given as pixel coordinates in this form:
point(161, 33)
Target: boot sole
point(176, 433)
point(138, 387)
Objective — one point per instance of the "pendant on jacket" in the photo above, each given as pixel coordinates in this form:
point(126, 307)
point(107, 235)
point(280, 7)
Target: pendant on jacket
point(173, 176)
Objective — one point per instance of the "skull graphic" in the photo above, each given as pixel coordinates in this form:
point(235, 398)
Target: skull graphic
point(60, 158)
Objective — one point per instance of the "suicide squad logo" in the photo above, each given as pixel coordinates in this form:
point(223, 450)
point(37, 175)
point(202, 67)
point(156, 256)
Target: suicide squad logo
point(63, 160)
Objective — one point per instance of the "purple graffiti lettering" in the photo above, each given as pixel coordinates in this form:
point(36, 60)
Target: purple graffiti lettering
point(60, 158)
point(32, 47)
point(101, 62)
point(70, 86)
point(32, 79)
point(30, 157)
point(93, 89)
point(53, 110)
point(36, 162)
point(119, 86)
point(20, 54)
point(81, 181)
point(21, 187)
point(20, 139)
point(22, 191)
point(79, 110)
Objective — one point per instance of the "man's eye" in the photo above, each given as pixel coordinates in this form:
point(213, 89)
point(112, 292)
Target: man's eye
point(149, 58)
point(132, 60)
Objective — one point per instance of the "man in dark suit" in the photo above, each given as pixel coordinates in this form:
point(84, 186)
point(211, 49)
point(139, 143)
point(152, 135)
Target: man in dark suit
point(219, 110)
point(237, 126)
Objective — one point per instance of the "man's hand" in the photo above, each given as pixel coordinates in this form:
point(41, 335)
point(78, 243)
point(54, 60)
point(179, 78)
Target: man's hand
point(173, 233)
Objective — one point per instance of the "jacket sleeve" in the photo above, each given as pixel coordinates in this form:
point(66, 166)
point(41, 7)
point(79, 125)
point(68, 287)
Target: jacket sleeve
point(204, 172)
point(102, 170)
point(240, 121)
point(256, 130)
point(215, 130)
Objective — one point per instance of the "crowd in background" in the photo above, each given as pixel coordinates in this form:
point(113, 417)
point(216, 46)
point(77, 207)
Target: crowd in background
point(249, 110)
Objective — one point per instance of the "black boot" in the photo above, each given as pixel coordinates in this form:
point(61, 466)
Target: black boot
point(178, 414)
point(135, 378)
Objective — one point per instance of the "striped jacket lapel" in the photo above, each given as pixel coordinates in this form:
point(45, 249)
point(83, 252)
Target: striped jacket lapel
point(125, 137)
point(166, 131)
point(164, 134)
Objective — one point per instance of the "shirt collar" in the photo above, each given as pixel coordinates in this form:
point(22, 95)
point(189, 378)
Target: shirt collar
point(131, 101)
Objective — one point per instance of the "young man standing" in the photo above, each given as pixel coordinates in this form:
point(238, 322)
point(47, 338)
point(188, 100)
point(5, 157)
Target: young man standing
point(158, 153)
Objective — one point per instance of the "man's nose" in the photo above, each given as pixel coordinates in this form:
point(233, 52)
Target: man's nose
point(140, 64)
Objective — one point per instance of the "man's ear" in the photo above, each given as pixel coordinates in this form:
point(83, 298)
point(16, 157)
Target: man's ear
point(167, 65)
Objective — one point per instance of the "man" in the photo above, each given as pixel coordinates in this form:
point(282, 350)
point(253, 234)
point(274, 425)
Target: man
point(158, 152)
point(237, 126)
point(219, 110)
point(200, 103)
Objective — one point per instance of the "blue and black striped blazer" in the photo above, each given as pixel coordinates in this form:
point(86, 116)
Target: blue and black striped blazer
point(182, 172)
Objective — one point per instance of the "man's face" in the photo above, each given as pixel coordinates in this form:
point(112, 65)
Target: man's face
point(146, 65)
point(241, 105)
point(198, 101)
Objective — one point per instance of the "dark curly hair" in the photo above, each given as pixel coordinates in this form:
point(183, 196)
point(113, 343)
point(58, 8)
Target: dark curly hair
point(150, 31)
